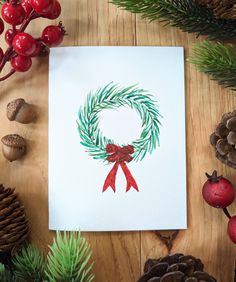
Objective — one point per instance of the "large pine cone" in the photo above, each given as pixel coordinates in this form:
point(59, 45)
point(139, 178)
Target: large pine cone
point(13, 223)
point(222, 9)
point(224, 139)
point(175, 268)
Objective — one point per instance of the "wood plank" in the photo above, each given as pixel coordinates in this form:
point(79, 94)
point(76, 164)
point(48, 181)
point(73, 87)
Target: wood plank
point(116, 255)
point(205, 103)
point(120, 256)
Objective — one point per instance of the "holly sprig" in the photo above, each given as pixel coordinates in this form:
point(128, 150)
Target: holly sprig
point(112, 97)
point(22, 46)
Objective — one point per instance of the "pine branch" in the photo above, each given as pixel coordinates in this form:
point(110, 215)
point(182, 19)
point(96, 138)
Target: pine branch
point(29, 265)
point(68, 259)
point(6, 275)
point(188, 15)
point(216, 60)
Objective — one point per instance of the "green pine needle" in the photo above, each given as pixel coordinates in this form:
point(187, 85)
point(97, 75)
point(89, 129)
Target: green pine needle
point(6, 275)
point(217, 60)
point(29, 265)
point(188, 15)
point(68, 259)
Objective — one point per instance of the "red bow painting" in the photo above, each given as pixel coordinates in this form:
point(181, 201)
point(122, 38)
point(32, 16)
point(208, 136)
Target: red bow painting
point(120, 156)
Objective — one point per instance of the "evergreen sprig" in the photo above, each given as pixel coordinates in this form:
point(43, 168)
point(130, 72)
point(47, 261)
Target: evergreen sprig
point(68, 259)
point(112, 97)
point(188, 15)
point(29, 265)
point(217, 60)
point(6, 275)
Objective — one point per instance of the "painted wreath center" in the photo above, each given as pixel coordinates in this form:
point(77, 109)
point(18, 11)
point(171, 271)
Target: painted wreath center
point(102, 148)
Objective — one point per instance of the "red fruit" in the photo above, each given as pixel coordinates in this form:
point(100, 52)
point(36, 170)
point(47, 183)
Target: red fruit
point(42, 6)
point(53, 35)
point(9, 35)
point(55, 11)
point(218, 191)
point(13, 14)
point(24, 44)
point(37, 49)
point(1, 26)
point(1, 54)
point(232, 229)
point(26, 6)
point(21, 63)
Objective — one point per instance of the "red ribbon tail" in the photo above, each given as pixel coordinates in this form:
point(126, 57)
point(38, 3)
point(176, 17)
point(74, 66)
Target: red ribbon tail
point(129, 178)
point(111, 178)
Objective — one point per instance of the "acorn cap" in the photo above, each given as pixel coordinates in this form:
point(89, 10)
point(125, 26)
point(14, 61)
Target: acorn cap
point(13, 107)
point(13, 140)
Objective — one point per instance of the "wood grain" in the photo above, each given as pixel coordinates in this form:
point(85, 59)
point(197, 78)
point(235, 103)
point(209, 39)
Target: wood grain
point(119, 257)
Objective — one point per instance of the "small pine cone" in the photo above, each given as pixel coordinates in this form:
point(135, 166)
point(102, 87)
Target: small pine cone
point(175, 268)
point(224, 139)
point(14, 227)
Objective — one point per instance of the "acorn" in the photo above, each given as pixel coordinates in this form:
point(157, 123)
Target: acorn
point(14, 147)
point(21, 111)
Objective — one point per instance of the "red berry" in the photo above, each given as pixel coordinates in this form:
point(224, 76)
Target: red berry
point(1, 54)
point(9, 35)
point(1, 26)
point(55, 11)
point(24, 44)
point(42, 6)
point(37, 49)
point(13, 14)
point(232, 229)
point(21, 63)
point(53, 35)
point(218, 191)
point(26, 6)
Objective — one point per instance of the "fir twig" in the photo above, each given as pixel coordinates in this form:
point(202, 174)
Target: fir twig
point(6, 275)
point(188, 15)
point(217, 60)
point(29, 265)
point(68, 259)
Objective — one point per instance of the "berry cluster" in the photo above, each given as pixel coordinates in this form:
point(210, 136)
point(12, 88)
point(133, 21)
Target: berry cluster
point(22, 46)
point(219, 192)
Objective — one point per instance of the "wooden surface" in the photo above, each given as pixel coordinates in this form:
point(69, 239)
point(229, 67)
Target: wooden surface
point(119, 257)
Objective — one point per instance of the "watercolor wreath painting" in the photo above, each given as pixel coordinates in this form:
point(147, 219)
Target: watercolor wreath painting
point(102, 148)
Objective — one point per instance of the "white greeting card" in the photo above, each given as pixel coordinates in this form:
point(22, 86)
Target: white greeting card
point(117, 157)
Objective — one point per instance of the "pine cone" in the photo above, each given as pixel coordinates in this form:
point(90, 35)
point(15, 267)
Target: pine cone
point(222, 9)
point(224, 139)
point(175, 268)
point(13, 224)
